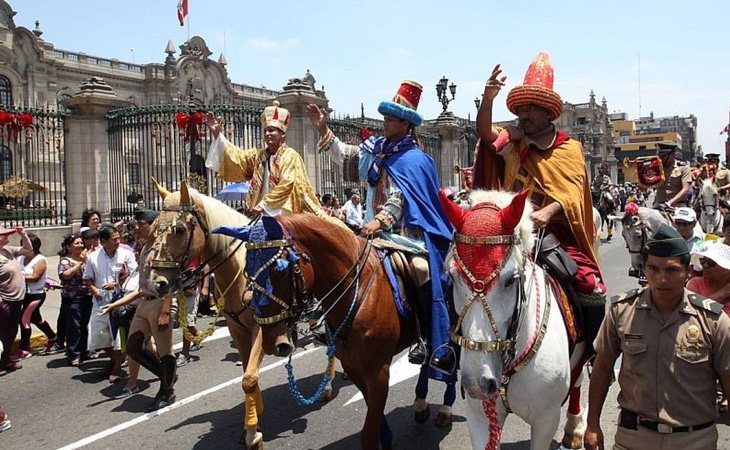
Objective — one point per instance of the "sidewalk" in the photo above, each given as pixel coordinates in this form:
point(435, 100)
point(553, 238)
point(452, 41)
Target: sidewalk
point(50, 310)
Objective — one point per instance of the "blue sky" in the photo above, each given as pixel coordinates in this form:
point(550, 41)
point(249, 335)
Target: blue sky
point(360, 51)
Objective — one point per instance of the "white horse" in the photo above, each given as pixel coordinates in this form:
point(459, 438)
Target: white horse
point(637, 225)
point(515, 347)
point(709, 201)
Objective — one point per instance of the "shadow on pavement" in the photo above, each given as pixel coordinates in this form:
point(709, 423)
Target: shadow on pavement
point(407, 434)
point(275, 423)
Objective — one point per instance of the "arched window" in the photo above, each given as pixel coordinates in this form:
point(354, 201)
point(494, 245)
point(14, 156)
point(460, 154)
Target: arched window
point(6, 91)
point(6, 163)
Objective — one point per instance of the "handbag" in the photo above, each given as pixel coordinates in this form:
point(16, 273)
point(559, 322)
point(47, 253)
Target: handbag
point(123, 315)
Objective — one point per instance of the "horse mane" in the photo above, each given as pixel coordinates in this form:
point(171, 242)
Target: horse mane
point(215, 214)
point(708, 187)
point(307, 225)
point(651, 217)
point(502, 199)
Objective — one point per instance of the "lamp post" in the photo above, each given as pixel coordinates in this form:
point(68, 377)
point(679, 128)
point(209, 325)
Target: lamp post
point(477, 102)
point(442, 90)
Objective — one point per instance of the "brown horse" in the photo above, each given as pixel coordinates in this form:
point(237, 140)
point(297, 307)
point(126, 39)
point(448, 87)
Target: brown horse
point(303, 257)
point(181, 232)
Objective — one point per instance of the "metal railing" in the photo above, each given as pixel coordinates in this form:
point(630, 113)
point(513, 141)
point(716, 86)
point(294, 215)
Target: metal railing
point(32, 167)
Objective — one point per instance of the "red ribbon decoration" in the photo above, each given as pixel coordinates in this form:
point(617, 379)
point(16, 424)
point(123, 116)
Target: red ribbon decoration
point(15, 122)
point(365, 133)
point(190, 123)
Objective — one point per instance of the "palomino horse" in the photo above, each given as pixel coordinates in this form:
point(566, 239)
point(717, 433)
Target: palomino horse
point(296, 258)
point(515, 347)
point(182, 231)
point(637, 224)
point(711, 218)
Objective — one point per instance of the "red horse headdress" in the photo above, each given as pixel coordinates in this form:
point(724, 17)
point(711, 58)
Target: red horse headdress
point(484, 235)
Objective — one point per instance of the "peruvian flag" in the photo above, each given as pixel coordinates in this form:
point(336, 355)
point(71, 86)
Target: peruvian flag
point(182, 11)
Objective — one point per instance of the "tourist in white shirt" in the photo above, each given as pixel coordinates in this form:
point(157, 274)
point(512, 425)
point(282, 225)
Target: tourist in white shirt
point(353, 212)
point(106, 269)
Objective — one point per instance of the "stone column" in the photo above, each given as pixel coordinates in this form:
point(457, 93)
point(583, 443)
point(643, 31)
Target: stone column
point(448, 127)
point(87, 148)
point(300, 135)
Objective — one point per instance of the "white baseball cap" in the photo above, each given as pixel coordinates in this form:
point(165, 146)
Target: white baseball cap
point(684, 214)
point(718, 252)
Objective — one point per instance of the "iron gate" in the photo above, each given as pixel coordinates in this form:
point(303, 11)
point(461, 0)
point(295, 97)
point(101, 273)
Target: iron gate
point(348, 131)
point(32, 172)
point(170, 143)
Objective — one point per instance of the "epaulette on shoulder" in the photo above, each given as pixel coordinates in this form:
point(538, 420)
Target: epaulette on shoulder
point(705, 303)
point(630, 295)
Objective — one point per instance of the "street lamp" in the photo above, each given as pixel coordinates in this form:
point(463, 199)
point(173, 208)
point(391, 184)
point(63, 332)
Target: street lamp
point(442, 93)
point(477, 102)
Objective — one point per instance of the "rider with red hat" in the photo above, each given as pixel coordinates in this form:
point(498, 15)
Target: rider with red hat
point(550, 164)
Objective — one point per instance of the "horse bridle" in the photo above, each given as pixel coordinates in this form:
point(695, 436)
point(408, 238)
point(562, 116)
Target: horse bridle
point(302, 296)
point(299, 284)
point(158, 263)
point(187, 277)
point(479, 289)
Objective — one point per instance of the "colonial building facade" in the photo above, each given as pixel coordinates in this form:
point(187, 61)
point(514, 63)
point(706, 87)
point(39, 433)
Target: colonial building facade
point(79, 130)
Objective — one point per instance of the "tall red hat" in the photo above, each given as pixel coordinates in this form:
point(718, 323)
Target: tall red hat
point(537, 88)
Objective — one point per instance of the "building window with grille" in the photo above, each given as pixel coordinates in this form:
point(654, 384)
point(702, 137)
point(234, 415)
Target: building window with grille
point(133, 170)
point(6, 163)
point(6, 91)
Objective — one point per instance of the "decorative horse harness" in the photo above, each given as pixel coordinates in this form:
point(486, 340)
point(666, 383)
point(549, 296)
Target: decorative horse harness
point(302, 297)
point(480, 289)
point(190, 277)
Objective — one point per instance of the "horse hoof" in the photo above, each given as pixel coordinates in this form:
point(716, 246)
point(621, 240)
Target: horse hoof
point(422, 416)
point(327, 395)
point(572, 441)
point(258, 442)
point(443, 420)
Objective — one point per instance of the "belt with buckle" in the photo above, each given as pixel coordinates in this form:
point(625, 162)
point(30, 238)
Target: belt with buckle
point(630, 420)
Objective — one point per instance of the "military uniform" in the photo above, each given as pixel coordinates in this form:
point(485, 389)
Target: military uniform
point(679, 175)
point(669, 369)
point(722, 178)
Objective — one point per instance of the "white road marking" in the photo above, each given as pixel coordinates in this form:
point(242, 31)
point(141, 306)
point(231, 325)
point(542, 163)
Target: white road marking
point(178, 404)
point(399, 372)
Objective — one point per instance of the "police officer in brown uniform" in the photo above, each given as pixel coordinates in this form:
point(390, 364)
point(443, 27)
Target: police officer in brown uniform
point(678, 178)
point(675, 344)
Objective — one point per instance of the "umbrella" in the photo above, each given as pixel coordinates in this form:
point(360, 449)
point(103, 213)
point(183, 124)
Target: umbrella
point(20, 187)
point(233, 192)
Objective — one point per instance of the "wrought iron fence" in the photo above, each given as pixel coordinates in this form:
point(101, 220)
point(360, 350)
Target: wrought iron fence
point(170, 143)
point(32, 167)
point(348, 131)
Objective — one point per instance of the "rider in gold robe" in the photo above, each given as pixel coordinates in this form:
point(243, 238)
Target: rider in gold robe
point(278, 177)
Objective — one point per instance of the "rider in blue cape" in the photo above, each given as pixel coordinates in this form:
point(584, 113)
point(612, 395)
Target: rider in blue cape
point(402, 195)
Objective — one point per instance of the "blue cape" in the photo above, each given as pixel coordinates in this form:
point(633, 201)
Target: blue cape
point(414, 171)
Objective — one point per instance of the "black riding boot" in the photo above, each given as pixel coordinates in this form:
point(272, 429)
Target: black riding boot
point(149, 361)
point(593, 309)
point(418, 353)
point(166, 395)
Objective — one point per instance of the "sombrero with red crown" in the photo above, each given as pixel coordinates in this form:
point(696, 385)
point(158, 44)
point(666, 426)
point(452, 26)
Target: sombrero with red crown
point(537, 88)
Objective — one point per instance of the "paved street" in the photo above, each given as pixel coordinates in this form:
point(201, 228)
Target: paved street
point(54, 406)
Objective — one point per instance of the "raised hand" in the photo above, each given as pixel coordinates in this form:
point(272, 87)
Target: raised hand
point(213, 123)
point(318, 116)
point(494, 84)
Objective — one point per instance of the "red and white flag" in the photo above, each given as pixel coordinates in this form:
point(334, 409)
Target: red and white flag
point(182, 11)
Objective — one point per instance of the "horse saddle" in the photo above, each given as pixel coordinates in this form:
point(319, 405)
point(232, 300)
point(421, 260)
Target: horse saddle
point(407, 270)
point(562, 269)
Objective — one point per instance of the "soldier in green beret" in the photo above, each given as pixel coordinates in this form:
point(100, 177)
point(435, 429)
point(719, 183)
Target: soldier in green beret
point(675, 345)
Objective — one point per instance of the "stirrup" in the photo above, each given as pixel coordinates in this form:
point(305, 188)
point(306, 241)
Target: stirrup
point(445, 364)
point(418, 352)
